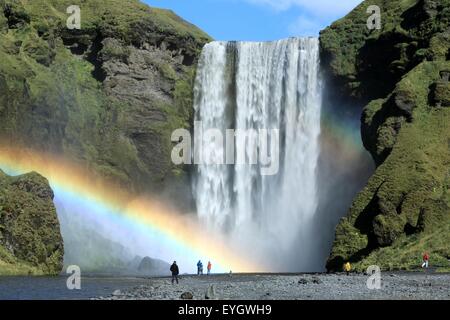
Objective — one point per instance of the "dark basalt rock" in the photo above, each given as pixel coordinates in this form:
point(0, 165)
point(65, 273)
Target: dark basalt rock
point(440, 90)
point(187, 296)
point(16, 15)
point(316, 280)
point(445, 75)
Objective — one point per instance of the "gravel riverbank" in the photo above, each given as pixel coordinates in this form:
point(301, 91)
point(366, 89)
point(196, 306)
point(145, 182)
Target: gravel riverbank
point(398, 286)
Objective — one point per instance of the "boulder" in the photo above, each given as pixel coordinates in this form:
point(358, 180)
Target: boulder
point(441, 93)
point(316, 280)
point(445, 75)
point(187, 296)
point(405, 101)
point(210, 293)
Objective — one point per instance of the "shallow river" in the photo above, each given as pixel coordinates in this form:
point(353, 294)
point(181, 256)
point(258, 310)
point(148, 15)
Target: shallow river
point(50, 288)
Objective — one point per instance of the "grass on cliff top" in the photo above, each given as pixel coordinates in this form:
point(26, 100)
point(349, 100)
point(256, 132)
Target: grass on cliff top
point(352, 30)
point(62, 90)
point(120, 14)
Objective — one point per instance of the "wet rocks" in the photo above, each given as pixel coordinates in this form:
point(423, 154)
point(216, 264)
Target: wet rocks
point(338, 287)
point(117, 293)
point(187, 296)
point(316, 280)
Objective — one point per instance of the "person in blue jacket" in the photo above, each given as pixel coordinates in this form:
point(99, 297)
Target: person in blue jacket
point(199, 267)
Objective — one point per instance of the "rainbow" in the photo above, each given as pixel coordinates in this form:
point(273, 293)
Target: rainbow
point(178, 234)
point(344, 131)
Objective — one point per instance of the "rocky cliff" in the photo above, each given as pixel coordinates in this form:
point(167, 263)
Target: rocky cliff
point(401, 74)
point(107, 95)
point(30, 240)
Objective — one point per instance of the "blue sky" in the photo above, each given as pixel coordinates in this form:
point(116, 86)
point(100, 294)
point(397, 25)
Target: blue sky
point(258, 20)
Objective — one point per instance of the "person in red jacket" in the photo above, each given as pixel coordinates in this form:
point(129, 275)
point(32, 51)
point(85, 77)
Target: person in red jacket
point(209, 267)
point(425, 259)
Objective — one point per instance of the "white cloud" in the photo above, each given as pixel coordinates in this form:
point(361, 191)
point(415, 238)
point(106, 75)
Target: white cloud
point(305, 26)
point(314, 15)
point(318, 8)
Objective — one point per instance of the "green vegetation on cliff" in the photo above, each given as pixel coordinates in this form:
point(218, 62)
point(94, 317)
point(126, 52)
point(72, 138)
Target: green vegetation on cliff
point(30, 239)
point(367, 64)
point(108, 95)
point(401, 72)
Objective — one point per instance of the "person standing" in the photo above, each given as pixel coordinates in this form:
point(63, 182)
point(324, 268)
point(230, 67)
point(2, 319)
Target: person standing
point(199, 267)
point(175, 272)
point(209, 267)
point(425, 259)
point(347, 267)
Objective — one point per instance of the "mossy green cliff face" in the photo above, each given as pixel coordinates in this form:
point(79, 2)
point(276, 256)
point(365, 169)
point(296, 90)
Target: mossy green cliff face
point(401, 73)
point(30, 240)
point(107, 96)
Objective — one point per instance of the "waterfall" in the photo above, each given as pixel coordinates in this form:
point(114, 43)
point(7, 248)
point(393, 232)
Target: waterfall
point(253, 86)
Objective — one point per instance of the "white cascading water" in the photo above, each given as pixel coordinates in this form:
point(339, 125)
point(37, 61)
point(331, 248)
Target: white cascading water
point(270, 85)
